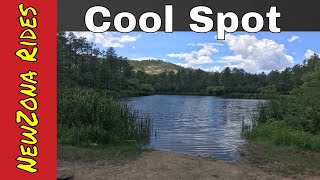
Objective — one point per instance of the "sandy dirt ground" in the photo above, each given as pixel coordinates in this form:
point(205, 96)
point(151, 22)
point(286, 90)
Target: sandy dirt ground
point(160, 165)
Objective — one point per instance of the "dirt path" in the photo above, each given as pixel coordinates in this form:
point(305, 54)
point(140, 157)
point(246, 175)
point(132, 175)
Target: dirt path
point(161, 165)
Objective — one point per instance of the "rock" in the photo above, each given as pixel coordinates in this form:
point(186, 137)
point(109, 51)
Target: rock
point(64, 174)
point(216, 176)
point(93, 144)
point(65, 178)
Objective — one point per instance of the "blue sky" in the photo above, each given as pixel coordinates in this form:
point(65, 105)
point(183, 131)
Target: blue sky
point(254, 52)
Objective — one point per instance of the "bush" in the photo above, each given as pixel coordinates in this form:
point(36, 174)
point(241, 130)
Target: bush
point(306, 103)
point(146, 89)
point(280, 133)
point(88, 116)
point(215, 90)
point(295, 119)
point(275, 109)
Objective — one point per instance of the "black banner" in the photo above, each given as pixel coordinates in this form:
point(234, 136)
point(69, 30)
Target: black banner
point(295, 15)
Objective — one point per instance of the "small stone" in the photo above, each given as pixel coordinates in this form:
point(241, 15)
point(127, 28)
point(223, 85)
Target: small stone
point(64, 174)
point(93, 144)
point(216, 176)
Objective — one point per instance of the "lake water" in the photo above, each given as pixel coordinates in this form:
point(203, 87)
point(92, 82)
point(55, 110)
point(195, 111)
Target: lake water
point(197, 125)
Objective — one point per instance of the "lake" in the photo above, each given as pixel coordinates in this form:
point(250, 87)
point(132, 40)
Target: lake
point(198, 125)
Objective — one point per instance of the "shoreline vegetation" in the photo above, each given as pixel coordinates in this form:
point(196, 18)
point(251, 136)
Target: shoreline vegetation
point(285, 136)
point(124, 94)
point(94, 125)
point(88, 117)
point(292, 120)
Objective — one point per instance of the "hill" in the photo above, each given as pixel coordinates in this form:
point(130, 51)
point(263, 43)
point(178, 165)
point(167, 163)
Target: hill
point(153, 66)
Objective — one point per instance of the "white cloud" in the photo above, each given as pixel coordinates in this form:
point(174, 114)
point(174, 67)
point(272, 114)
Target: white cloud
point(256, 55)
point(293, 38)
point(89, 36)
point(202, 56)
point(213, 69)
point(309, 53)
point(108, 39)
point(186, 65)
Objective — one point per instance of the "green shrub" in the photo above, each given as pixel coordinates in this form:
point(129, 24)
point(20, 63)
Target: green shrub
point(88, 116)
point(305, 110)
point(146, 89)
point(280, 133)
point(215, 90)
point(275, 109)
point(294, 119)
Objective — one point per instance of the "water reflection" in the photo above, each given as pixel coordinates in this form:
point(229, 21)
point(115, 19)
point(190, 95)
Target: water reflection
point(197, 125)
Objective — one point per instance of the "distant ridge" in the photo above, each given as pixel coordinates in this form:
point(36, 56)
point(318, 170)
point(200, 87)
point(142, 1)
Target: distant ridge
point(154, 66)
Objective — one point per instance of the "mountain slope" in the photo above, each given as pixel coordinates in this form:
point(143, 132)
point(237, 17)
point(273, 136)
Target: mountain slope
point(153, 66)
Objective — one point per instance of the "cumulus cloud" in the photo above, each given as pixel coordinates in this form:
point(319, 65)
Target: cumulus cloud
point(202, 56)
point(309, 53)
point(89, 36)
point(108, 39)
point(256, 55)
point(293, 38)
point(186, 65)
point(214, 69)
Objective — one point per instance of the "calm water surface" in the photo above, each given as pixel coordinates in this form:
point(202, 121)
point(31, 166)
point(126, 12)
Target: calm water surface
point(196, 125)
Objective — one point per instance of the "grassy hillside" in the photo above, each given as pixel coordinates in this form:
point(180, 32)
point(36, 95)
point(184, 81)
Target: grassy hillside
point(153, 66)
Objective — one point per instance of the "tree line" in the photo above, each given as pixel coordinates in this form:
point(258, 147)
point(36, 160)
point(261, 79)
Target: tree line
point(80, 63)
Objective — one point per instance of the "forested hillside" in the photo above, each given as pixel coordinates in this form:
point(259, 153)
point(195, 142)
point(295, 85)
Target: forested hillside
point(154, 66)
point(80, 63)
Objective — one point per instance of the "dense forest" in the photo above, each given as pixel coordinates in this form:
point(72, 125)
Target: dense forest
point(81, 64)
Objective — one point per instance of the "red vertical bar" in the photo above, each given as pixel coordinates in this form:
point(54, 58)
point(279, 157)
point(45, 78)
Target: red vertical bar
point(11, 67)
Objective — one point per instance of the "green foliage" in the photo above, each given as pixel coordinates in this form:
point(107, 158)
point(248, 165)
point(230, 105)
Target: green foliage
point(115, 152)
point(247, 96)
point(269, 91)
point(280, 133)
point(275, 109)
point(301, 108)
point(215, 90)
point(235, 82)
point(81, 64)
point(293, 119)
point(146, 89)
point(305, 109)
point(88, 116)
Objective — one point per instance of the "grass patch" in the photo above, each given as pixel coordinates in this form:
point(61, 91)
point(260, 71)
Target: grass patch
point(283, 160)
point(280, 133)
point(108, 152)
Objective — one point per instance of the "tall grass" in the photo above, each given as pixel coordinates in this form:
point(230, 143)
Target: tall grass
point(273, 110)
point(89, 116)
point(275, 124)
point(280, 133)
